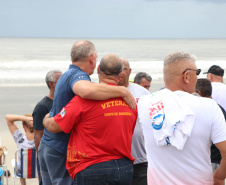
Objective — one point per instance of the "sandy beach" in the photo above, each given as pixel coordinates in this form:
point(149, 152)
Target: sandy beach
point(20, 100)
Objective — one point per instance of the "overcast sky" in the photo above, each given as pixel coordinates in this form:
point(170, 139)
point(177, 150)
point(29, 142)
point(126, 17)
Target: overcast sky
point(113, 18)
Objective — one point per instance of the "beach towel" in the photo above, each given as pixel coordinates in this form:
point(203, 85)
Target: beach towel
point(172, 120)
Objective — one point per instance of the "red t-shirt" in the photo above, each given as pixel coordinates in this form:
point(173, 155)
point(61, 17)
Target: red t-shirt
point(100, 131)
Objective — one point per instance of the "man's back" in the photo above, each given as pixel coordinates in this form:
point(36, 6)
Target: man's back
point(63, 94)
point(138, 148)
point(218, 93)
point(191, 165)
point(102, 131)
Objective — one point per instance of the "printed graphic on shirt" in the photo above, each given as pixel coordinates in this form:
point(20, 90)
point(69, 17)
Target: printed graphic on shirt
point(114, 103)
point(118, 114)
point(137, 99)
point(74, 157)
point(62, 113)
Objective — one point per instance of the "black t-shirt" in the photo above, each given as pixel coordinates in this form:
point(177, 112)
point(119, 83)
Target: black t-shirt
point(215, 153)
point(41, 109)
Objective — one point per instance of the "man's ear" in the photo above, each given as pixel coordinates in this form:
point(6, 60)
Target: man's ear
point(130, 70)
point(186, 77)
point(200, 93)
point(92, 58)
point(98, 69)
point(119, 78)
point(51, 84)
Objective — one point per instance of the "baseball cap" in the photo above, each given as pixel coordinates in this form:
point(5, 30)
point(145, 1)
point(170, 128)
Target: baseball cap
point(216, 70)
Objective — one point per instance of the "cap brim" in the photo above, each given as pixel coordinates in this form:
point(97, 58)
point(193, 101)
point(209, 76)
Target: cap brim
point(205, 72)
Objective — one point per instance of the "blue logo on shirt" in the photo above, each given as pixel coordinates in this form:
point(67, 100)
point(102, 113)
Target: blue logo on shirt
point(158, 127)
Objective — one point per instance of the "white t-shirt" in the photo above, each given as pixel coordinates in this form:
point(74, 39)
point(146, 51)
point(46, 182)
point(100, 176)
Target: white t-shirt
point(22, 142)
point(168, 165)
point(219, 93)
point(138, 148)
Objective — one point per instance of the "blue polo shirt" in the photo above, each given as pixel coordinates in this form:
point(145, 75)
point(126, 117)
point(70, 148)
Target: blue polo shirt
point(62, 95)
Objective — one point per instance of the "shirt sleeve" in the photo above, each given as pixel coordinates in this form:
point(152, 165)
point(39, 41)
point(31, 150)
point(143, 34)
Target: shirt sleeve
point(79, 76)
point(38, 116)
point(218, 133)
point(70, 115)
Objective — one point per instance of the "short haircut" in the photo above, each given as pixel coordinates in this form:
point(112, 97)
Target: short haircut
point(141, 75)
point(111, 65)
point(50, 76)
point(25, 123)
point(82, 50)
point(178, 56)
point(204, 86)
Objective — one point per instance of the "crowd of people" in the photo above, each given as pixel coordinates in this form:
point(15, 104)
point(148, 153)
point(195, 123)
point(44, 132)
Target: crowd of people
point(116, 132)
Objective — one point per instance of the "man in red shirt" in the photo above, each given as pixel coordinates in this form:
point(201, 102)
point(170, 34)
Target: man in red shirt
point(99, 150)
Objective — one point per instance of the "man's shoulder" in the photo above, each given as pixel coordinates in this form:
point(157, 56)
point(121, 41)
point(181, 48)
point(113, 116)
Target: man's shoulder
point(137, 89)
point(218, 85)
point(45, 102)
point(73, 74)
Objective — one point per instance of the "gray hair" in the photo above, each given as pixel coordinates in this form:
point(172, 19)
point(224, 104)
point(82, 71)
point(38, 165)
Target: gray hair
point(111, 65)
point(141, 75)
point(50, 76)
point(178, 56)
point(82, 50)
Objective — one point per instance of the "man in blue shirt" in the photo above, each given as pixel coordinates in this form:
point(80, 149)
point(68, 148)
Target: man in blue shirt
point(53, 148)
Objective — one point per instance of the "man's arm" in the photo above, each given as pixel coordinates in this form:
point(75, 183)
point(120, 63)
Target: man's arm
point(51, 125)
point(37, 138)
point(220, 173)
point(89, 90)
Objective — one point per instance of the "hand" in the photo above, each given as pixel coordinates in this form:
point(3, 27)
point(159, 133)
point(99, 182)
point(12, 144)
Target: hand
point(130, 100)
point(29, 121)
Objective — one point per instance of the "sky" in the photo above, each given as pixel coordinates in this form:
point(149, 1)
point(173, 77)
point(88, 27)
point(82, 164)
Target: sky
point(113, 18)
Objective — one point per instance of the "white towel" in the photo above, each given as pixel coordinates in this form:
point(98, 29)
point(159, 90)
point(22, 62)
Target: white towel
point(172, 121)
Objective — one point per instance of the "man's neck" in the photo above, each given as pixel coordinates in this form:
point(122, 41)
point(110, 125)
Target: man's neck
point(51, 94)
point(82, 65)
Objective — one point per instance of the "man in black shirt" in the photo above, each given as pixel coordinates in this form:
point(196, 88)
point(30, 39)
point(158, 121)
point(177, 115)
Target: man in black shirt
point(42, 108)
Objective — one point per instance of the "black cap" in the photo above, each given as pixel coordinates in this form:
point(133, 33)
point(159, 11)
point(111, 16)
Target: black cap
point(216, 70)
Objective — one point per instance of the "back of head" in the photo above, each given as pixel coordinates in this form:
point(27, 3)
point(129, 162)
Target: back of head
point(110, 65)
point(215, 70)
point(215, 73)
point(141, 75)
point(51, 76)
point(175, 65)
point(81, 50)
point(204, 87)
point(26, 125)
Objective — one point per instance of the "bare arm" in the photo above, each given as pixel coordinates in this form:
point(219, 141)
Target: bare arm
point(10, 119)
point(220, 173)
point(89, 90)
point(37, 137)
point(51, 125)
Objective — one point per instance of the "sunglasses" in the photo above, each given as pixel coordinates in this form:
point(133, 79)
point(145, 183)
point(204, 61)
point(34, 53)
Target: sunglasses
point(197, 71)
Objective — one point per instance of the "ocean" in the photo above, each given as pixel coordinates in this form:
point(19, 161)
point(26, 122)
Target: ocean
point(25, 61)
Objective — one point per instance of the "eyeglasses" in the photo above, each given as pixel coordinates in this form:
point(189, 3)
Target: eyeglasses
point(126, 68)
point(197, 71)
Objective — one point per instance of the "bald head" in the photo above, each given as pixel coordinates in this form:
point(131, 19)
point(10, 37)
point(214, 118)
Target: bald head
point(81, 50)
point(124, 81)
point(111, 65)
point(180, 71)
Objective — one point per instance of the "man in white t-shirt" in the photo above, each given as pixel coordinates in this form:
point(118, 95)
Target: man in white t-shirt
point(215, 75)
point(179, 127)
point(138, 149)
